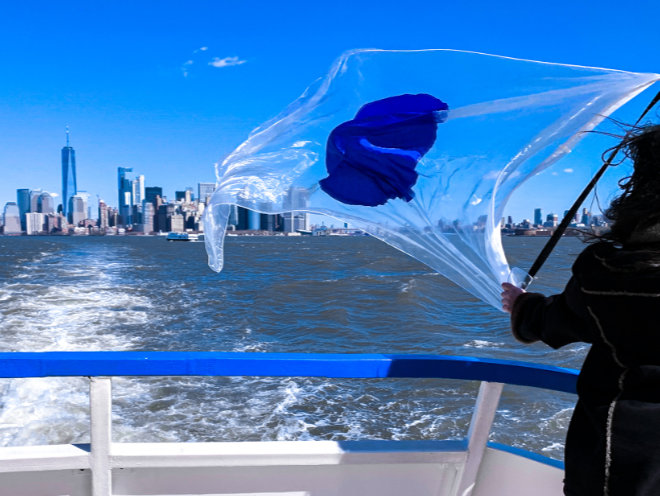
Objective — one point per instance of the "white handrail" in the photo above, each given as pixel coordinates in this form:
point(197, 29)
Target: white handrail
point(482, 420)
point(100, 404)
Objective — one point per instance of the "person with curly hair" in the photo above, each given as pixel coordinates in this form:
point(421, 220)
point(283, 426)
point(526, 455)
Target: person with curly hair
point(612, 301)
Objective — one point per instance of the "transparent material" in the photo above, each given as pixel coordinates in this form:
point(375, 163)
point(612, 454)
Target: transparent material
point(507, 120)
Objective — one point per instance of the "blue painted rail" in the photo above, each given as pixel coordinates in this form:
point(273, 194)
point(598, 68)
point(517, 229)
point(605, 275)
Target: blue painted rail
point(155, 363)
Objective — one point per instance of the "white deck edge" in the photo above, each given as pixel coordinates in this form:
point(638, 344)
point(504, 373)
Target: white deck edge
point(33, 458)
point(272, 453)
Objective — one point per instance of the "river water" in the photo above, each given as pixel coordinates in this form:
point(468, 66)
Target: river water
point(276, 294)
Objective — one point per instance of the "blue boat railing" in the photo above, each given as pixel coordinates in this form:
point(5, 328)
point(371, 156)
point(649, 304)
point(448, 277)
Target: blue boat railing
point(164, 363)
point(100, 366)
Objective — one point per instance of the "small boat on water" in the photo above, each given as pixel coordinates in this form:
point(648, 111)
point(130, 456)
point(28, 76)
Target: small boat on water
point(179, 236)
point(464, 467)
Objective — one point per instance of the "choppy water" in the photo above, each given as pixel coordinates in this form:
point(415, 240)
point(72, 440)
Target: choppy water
point(276, 294)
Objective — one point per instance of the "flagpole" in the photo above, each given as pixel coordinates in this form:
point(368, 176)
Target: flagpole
point(570, 214)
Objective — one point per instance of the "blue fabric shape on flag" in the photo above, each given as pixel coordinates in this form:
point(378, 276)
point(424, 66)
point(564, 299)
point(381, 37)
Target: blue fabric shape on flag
point(372, 158)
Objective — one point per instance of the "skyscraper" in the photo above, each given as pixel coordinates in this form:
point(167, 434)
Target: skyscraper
point(12, 220)
point(34, 200)
point(45, 203)
point(297, 199)
point(586, 217)
point(34, 223)
point(69, 185)
point(151, 192)
point(205, 191)
point(125, 190)
point(138, 190)
point(78, 208)
point(148, 211)
point(23, 201)
point(103, 215)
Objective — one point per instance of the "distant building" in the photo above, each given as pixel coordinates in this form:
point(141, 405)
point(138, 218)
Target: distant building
point(34, 223)
point(11, 218)
point(205, 192)
point(23, 202)
point(54, 222)
point(161, 217)
point(125, 195)
point(242, 219)
point(176, 223)
point(151, 192)
point(538, 217)
point(138, 190)
point(136, 214)
point(232, 221)
point(78, 209)
point(113, 217)
point(34, 199)
point(148, 211)
point(170, 218)
point(297, 199)
point(586, 217)
point(551, 220)
point(271, 223)
point(46, 203)
point(103, 215)
point(254, 220)
point(598, 221)
point(183, 196)
point(69, 184)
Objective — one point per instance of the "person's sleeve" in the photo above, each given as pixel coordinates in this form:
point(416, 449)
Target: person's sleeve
point(556, 320)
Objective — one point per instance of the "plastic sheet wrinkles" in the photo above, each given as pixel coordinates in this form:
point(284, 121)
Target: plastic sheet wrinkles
point(441, 199)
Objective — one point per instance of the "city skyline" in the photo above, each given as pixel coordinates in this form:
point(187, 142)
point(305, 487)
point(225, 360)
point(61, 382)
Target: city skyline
point(128, 187)
point(69, 184)
point(144, 209)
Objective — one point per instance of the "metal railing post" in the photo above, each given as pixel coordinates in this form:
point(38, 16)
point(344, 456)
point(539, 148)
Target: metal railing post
point(482, 420)
point(100, 405)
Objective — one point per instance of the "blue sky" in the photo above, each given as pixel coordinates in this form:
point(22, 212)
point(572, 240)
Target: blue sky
point(170, 88)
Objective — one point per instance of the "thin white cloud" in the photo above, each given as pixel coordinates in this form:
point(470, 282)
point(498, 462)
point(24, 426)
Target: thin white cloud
point(197, 58)
point(568, 171)
point(226, 62)
point(185, 67)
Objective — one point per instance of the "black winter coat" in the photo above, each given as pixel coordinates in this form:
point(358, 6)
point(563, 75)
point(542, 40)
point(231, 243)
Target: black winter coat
point(613, 302)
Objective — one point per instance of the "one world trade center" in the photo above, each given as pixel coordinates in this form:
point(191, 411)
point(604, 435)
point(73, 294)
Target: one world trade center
point(69, 187)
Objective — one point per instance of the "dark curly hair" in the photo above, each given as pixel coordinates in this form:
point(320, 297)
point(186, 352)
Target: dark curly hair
point(638, 206)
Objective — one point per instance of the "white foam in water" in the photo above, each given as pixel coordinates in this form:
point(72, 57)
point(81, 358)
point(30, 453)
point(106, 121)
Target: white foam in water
point(408, 286)
point(553, 447)
point(72, 316)
point(482, 343)
point(44, 411)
